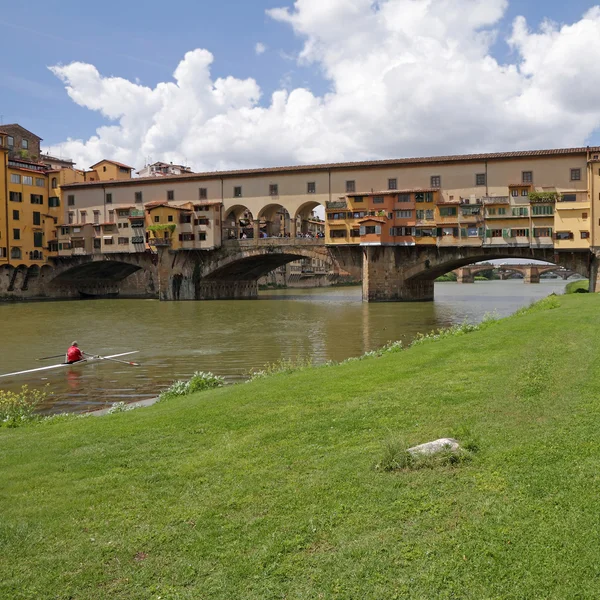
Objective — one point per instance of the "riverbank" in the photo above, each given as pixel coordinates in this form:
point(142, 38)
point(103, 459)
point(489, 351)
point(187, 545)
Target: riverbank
point(269, 489)
point(581, 286)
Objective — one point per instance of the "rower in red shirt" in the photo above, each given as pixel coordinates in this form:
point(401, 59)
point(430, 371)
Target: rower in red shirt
point(74, 354)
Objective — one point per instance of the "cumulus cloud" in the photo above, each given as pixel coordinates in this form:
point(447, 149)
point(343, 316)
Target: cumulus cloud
point(406, 78)
point(260, 48)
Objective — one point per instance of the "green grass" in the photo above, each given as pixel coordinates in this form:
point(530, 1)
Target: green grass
point(270, 489)
point(577, 287)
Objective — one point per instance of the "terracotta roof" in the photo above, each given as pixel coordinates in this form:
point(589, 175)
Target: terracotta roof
point(49, 156)
point(394, 162)
point(112, 162)
point(376, 219)
point(158, 204)
point(29, 168)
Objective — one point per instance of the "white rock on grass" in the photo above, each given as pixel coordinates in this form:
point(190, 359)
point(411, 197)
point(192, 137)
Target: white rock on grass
point(441, 445)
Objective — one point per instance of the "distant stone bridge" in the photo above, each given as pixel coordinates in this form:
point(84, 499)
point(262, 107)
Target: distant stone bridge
point(389, 273)
point(531, 272)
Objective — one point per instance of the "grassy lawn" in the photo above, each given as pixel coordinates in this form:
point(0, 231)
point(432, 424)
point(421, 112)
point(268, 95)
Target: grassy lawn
point(268, 489)
point(577, 287)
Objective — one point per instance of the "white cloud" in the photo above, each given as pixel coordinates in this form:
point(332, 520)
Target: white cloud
point(406, 78)
point(260, 48)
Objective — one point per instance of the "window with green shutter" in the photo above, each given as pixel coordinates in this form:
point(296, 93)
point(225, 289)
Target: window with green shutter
point(448, 211)
point(520, 211)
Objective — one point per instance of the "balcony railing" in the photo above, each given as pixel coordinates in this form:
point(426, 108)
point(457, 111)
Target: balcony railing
point(336, 204)
point(273, 241)
point(496, 200)
point(159, 242)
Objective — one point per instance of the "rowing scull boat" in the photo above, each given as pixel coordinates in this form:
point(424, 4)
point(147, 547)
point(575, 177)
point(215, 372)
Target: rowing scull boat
point(61, 365)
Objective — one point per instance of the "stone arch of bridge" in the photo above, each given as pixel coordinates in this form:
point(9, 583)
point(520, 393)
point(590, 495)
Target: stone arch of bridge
point(238, 221)
point(103, 268)
point(275, 220)
point(303, 214)
point(253, 263)
point(430, 265)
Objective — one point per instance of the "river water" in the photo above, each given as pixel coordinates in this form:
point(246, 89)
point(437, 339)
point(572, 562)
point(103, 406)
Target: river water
point(229, 338)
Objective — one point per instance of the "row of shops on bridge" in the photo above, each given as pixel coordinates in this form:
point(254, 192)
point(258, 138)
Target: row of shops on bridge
point(525, 216)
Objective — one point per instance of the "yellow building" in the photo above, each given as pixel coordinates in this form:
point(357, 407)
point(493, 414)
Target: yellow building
point(28, 211)
point(109, 170)
point(183, 227)
point(4, 248)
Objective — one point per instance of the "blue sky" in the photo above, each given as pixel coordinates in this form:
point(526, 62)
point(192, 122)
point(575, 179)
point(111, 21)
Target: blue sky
point(145, 41)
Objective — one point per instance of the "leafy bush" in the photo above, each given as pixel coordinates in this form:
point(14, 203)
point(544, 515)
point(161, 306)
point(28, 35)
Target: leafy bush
point(118, 407)
point(178, 388)
point(201, 381)
point(447, 277)
point(18, 408)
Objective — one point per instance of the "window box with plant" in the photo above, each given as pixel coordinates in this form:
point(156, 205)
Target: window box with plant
point(161, 234)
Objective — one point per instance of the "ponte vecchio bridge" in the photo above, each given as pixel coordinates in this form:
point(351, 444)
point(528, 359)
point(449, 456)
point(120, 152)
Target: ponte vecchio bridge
point(433, 215)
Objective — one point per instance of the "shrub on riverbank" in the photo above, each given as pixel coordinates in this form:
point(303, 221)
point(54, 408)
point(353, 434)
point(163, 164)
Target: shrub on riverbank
point(18, 408)
point(268, 489)
point(447, 277)
point(199, 382)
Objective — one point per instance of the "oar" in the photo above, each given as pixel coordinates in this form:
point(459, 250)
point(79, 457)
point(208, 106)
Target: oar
point(125, 362)
point(48, 357)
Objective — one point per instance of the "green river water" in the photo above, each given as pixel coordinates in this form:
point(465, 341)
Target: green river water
point(229, 338)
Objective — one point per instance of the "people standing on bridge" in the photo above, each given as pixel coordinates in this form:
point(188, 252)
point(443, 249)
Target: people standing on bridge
point(74, 354)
